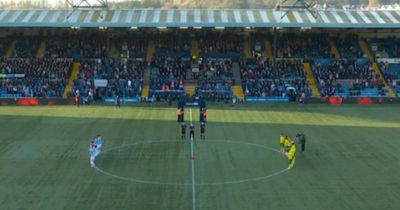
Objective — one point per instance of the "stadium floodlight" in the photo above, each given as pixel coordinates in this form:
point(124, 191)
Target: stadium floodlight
point(288, 5)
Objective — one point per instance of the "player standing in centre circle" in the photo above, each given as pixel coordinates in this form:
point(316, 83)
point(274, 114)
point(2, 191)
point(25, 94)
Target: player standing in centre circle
point(183, 131)
point(191, 132)
point(202, 131)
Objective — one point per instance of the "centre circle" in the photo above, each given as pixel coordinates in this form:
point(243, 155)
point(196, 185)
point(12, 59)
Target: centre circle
point(216, 162)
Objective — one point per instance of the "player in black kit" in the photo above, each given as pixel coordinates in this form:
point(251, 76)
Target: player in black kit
point(183, 131)
point(191, 132)
point(202, 130)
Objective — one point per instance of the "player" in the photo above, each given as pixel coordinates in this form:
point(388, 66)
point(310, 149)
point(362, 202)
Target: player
point(98, 142)
point(281, 143)
point(92, 153)
point(286, 144)
point(202, 131)
point(183, 131)
point(302, 140)
point(291, 156)
point(95, 149)
point(117, 100)
point(191, 132)
point(77, 97)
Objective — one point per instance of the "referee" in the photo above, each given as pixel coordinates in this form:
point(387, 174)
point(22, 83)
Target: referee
point(302, 139)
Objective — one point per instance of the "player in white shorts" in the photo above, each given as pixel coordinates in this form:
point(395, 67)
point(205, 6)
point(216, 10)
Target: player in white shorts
point(94, 149)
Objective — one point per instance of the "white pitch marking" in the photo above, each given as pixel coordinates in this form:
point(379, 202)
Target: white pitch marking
point(192, 160)
point(243, 142)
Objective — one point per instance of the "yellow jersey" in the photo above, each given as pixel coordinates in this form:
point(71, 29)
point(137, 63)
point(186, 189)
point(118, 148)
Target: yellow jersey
point(281, 139)
point(292, 150)
point(286, 143)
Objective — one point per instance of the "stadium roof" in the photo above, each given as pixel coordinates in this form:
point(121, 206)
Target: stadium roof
point(199, 18)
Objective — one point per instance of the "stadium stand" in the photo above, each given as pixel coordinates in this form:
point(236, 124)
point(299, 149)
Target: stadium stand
point(385, 47)
point(79, 46)
point(172, 45)
point(266, 78)
point(347, 78)
point(133, 46)
point(123, 75)
point(349, 47)
point(303, 45)
point(34, 77)
point(215, 80)
point(26, 47)
point(220, 45)
point(167, 78)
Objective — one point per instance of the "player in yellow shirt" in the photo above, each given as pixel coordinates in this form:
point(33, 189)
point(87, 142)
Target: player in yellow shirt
point(287, 144)
point(291, 155)
point(282, 143)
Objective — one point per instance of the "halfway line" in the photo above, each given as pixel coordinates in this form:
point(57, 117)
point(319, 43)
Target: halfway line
point(192, 161)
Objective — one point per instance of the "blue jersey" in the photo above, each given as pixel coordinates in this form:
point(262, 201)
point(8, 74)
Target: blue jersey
point(98, 141)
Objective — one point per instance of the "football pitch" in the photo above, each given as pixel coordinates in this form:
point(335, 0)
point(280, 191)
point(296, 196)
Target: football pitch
point(351, 160)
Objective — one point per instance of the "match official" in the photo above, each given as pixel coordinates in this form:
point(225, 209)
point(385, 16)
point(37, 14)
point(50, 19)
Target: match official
point(183, 131)
point(202, 130)
point(302, 140)
point(191, 132)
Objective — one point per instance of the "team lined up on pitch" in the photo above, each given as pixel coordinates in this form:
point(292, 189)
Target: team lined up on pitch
point(288, 147)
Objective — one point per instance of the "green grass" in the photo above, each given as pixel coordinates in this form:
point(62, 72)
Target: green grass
point(351, 161)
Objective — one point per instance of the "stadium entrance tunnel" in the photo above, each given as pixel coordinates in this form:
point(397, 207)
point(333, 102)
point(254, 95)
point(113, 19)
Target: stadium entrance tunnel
point(217, 162)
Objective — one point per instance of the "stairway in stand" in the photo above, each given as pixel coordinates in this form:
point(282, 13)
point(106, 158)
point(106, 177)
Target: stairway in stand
point(10, 49)
point(267, 48)
point(146, 81)
point(364, 46)
point(41, 51)
point(311, 80)
point(334, 49)
point(247, 48)
point(73, 76)
point(237, 89)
